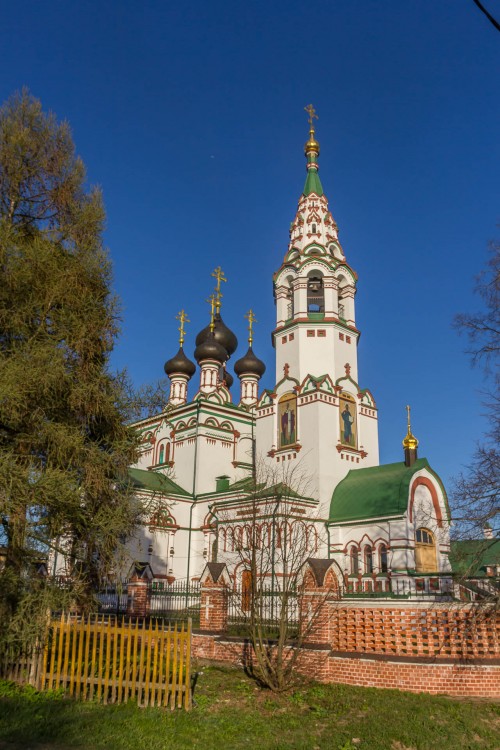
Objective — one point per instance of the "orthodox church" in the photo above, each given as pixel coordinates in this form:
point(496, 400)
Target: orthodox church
point(202, 455)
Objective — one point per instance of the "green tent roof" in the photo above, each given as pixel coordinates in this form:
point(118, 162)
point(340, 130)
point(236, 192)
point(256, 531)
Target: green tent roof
point(473, 556)
point(154, 481)
point(374, 492)
point(313, 183)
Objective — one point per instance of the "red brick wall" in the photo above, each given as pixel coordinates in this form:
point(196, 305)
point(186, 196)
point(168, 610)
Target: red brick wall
point(441, 631)
point(322, 665)
point(410, 646)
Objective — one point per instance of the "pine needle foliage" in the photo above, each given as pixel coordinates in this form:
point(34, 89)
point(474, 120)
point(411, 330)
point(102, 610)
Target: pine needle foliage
point(64, 443)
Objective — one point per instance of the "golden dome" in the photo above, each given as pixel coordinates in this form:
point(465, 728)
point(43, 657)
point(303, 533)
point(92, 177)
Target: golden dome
point(410, 442)
point(312, 144)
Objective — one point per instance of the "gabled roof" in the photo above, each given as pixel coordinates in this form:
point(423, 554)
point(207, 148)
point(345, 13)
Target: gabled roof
point(375, 492)
point(473, 556)
point(154, 481)
point(246, 489)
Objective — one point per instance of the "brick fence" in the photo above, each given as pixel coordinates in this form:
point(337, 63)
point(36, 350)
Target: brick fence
point(414, 646)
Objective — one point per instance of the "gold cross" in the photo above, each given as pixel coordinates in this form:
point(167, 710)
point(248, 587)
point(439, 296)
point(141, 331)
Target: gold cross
point(219, 275)
point(251, 320)
point(212, 301)
point(408, 410)
point(182, 318)
point(312, 115)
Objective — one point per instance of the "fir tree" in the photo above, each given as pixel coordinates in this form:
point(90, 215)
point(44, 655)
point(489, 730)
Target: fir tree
point(64, 443)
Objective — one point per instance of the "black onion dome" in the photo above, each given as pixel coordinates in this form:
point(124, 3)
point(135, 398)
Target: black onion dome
point(228, 378)
point(249, 365)
point(210, 349)
point(181, 364)
point(223, 335)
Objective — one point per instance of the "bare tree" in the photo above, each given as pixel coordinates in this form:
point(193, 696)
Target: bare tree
point(476, 493)
point(266, 538)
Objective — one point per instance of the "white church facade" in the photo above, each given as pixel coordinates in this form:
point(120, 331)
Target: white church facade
point(202, 456)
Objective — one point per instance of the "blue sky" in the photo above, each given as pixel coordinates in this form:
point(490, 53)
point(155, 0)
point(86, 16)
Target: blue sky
point(190, 117)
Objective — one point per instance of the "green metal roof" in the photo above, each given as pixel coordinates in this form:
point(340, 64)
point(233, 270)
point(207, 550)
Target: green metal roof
point(473, 556)
point(374, 492)
point(154, 481)
point(313, 183)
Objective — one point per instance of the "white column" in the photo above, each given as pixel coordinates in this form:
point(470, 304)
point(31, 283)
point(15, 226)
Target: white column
point(178, 389)
point(300, 297)
point(249, 389)
point(209, 375)
point(330, 285)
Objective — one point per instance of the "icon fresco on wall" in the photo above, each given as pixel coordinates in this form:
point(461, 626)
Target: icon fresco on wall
point(287, 419)
point(348, 425)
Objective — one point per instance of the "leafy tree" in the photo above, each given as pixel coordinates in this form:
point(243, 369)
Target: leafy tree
point(64, 443)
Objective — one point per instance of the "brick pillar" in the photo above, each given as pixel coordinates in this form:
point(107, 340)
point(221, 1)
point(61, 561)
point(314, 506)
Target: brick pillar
point(319, 591)
point(215, 584)
point(138, 597)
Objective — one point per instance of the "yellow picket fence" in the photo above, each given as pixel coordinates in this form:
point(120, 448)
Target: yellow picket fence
point(109, 661)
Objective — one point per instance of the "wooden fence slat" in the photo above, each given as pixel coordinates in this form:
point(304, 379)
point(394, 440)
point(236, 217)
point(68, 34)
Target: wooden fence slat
point(107, 662)
point(80, 668)
point(139, 685)
point(92, 680)
point(168, 681)
point(181, 666)
point(134, 660)
point(147, 667)
point(154, 678)
point(187, 676)
point(175, 643)
point(114, 673)
point(162, 681)
point(120, 665)
point(75, 634)
point(128, 667)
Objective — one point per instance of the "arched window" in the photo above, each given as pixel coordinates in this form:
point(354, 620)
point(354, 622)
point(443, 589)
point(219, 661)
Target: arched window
point(279, 536)
point(315, 294)
point(383, 559)
point(425, 551)
point(162, 454)
point(353, 554)
point(368, 559)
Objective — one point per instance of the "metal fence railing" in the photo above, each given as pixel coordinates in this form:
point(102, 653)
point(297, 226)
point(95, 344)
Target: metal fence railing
point(113, 598)
point(429, 587)
point(268, 608)
point(175, 601)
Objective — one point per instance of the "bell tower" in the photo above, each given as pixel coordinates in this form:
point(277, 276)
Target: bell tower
point(315, 287)
point(317, 413)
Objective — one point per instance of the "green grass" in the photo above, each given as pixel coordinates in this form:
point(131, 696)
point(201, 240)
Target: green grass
point(232, 713)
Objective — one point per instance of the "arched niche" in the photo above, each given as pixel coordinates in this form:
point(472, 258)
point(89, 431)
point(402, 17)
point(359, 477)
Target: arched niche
point(348, 420)
point(287, 419)
point(315, 292)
